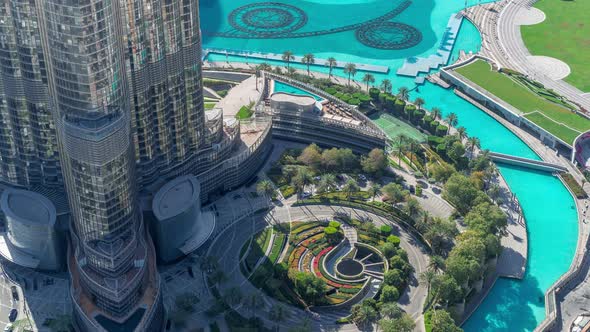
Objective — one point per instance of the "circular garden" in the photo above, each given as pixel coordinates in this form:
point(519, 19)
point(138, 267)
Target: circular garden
point(313, 264)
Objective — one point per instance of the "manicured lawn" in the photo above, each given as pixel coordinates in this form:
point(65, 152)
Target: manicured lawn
point(560, 131)
point(505, 88)
point(565, 35)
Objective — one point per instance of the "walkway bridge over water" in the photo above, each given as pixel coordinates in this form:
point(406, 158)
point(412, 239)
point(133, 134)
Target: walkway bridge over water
point(526, 162)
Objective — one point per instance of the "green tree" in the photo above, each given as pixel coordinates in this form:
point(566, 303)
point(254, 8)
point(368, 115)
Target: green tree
point(375, 163)
point(386, 86)
point(403, 93)
point(233, 296)
point(363, 314)
point(419, 102)
point(403, 324)
point(391, 310)
point(331, 62)
point(309, 287)
point(440, 233)
point(301, 180)
point(327, 183)
point(308, 60)
point(462, 193)
point(412, 208)
point(368, 79)
point(278, 313)
point(393, 278)
point(445, 289)
point(254, 302)
point(412, 146)
point(350, 70)
point(389, 249)
point(374, 191)
point(472, 144)
point(186, 302)
point(350, 187)
point(441, 321)
point(427, 277)
point(435, 113)
point(389, 294)
point(288, 57)
point(452, 120)
point(311, 156)
point(400, 145)
point(441, 172)
point(265, 188)
point(394, 193)
point(486, 218)
point(456, 151)
point(461, 132)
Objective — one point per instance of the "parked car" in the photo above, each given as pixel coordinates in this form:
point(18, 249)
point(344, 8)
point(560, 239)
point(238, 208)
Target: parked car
point(306, 194)
point(362, 177)
point(12, 315)
point(9, 327)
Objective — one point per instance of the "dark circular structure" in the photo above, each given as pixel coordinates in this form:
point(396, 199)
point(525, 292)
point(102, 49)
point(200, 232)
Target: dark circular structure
point(389, 35)
point(350, 267)
point(267, 18)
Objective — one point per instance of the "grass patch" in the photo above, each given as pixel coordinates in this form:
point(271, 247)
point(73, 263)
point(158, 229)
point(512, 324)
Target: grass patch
point(553, 127)
point(245, 112)
point(209, 106)
point(517, 95)
point(574, 186)
point(565, 35)
point(394, 127)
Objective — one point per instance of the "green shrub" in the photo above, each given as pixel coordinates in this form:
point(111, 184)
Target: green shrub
point(374, 93)
point(222, 93)
point(334, 224)
point(419, 191)
point(441, 130)
point(389, 294)
point(354, 102)
point(287, 191)
point(393, 240)
point(435, 141)
point(385, 229)
point(331, 91)
point(574, 186)
point(345, 97)
point(399, 106)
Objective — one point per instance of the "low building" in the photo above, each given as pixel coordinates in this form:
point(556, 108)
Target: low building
point(32, 238)
point(178, 225)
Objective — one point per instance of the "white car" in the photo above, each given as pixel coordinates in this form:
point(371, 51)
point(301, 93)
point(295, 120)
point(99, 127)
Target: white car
point(9, 327)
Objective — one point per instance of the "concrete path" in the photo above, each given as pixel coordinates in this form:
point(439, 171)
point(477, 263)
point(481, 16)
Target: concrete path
point(240, 95)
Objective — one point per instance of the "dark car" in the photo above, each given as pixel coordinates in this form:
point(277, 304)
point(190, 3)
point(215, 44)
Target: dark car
point(12, 315)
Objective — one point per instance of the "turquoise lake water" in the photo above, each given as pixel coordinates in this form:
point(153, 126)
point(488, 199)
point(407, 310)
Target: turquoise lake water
point(511, 305)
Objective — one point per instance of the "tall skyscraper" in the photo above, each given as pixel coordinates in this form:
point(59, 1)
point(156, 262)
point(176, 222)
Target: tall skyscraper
point(101, 101)
point(28, 147)
point(112, 262)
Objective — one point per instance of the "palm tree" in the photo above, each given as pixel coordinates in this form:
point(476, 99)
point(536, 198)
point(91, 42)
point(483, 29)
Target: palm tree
point(386, 86)
point(368, 78)
point(265, 188)
point(436, 113)
point(412, 146)
point(419, 102)
point(327, 183)
point(461, 132)
point(374, 191)
point(278, 314)
point(400, 145)
point(427, 277)
point(350, 187)
point(301, 180)
point(437, 263)
point(291, 71)
point(350, 69)
point(472, 144)
point(254, 302)
point(331, 62)
point(288, 57)
point(308, 59)
point(403, 93)
point(452, 120)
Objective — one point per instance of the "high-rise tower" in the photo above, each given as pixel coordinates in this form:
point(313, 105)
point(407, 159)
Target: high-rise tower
point(28, 147)
point(112, 260)
point(164, 62)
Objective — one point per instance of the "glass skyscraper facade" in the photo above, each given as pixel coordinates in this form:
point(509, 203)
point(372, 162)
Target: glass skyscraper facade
point(126, 110)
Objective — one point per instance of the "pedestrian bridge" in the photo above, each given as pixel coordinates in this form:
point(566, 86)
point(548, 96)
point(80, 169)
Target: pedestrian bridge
point(526, 162)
